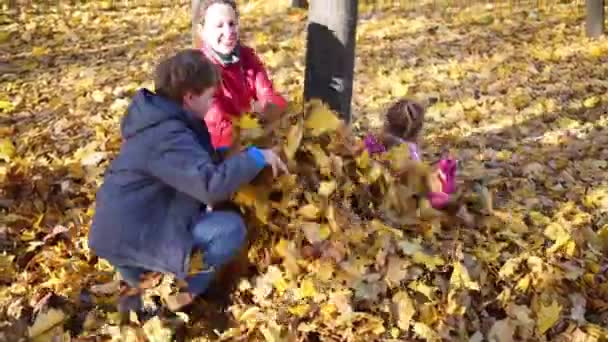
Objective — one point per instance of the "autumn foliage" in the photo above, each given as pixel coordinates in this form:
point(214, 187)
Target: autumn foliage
point(345, 246)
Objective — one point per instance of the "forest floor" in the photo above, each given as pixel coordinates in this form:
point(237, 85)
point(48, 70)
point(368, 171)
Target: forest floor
point(518, 95)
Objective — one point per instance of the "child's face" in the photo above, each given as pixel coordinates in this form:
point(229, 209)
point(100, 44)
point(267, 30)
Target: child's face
point(220, 29)
point(199, 103)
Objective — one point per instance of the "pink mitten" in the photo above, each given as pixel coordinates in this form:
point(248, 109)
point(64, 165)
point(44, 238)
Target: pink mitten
point(447, 177)
point(447, 171)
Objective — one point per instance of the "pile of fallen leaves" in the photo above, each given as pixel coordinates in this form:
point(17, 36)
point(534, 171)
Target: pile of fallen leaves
point(346, 245)
point(357, 252)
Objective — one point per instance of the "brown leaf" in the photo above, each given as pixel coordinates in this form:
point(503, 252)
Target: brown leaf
point(106, 289)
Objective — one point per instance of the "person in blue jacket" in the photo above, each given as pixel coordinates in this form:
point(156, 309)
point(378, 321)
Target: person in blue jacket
point(152, 210)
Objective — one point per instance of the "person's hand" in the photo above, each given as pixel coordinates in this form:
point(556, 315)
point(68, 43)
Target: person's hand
point(257, 107)
point(274, 161)
point(268, 112)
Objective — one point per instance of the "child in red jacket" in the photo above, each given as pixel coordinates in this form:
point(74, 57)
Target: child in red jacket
point(245, 85)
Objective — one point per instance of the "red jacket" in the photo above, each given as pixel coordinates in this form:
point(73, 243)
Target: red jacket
point(242, 82)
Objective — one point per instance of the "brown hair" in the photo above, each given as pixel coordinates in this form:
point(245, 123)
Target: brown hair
point(404, 119)
point(187, 71)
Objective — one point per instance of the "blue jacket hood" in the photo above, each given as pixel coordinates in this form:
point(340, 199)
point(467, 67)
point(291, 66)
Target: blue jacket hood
point(148, 110)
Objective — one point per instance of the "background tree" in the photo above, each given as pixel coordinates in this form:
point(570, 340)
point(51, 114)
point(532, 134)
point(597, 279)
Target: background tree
point(330, 53)
point(595, 18)
point(299, 3)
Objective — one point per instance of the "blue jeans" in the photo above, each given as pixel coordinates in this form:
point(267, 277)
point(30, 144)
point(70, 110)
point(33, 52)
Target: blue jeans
point(219, 234)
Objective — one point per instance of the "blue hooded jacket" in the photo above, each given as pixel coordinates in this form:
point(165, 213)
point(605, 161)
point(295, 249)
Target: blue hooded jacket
point(157, 187)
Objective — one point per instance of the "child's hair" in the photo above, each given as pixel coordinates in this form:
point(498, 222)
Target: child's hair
point(187, 71)
point(404, 119)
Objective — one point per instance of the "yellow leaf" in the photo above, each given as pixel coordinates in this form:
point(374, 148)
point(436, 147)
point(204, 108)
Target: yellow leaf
point(425, 332)
point(324, 231)
point(509, 267)
point(256, 197)
point(596, 51)
point(309, 211)
point(280, 284)
point(538, 218)
point(294, 138)
point(404, 306)
point(156, 332)
point(423, 288)
point(98, 96)
point(380, 226)
point(523, 283)
point(327, 309)
point(45, 321)
point(38, 51)
point(324, 270)
point(321, 119)
point(460, 278)
point(4, 36)
point(249, 314)
point(548, 316)
point(6, 106)
point(363, 160)
point(430, 261)
point(591, 101)
point(281, 248)
point(559, 234)
point(248, 121)
point(399, 89)
point(299, 310)
point(7, 150)
point(327, 188)
point(321, 158)
point(307, 289)
point(272, 333)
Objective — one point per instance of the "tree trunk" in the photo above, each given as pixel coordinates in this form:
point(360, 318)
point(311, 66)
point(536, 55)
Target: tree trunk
point(330, 53)
point(299, 3)
point(595, 18)
point(13, 5)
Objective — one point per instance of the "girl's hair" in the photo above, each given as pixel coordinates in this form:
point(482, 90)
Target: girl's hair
point(404, 119)
point(187, 71)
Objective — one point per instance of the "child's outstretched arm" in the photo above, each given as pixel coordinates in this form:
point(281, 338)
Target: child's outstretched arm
point(180, 161)
point(266, 95)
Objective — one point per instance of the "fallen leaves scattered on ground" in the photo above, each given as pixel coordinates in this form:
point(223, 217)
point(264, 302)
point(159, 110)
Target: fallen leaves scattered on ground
point(518, 96)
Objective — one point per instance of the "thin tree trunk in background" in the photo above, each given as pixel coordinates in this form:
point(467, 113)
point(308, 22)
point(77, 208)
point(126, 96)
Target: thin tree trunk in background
point(13, 5)
point(330, 53)
point(595, 18)
point(299, 3)
point(195, 17)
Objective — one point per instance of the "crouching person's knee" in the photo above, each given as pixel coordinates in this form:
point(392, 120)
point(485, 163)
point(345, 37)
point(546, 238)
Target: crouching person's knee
point(221, 235)
point(235, 233)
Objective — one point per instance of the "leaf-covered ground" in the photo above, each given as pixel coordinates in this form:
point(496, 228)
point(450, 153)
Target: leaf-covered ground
point(517, 94)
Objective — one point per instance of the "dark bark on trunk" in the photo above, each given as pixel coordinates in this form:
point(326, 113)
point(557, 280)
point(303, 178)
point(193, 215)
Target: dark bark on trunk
point(330, 53)
point(299, 3)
